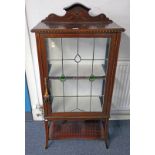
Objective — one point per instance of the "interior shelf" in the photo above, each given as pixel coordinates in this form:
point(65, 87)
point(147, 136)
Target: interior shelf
point(74, 87)
point(83, 70)
point(77, 104)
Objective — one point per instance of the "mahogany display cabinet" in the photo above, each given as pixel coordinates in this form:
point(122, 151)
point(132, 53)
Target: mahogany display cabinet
point(77, 55)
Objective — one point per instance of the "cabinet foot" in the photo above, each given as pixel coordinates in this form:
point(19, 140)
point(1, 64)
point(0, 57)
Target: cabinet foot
point(106, 133)
point(106, 144)
point(47, 133)
point(46, 147)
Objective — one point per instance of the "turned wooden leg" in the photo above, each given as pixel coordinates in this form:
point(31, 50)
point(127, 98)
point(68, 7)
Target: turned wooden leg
point(106, 133)
point(46, 133)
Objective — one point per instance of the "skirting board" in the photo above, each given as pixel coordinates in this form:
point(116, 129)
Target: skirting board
point(28, 116)
point(120, 117)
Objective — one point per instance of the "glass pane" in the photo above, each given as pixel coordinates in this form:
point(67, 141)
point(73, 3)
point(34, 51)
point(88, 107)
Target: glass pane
point(63, 88)
point(86, 48)
point(70, 87)
point(53, 48)
point(101, 48)
point(64, 104)
point(98, 68)
point(55, 68)
point(83, 87)
point(98, 87)
point(56, 87)
point(88, 67)
point(69, 47)
point(85, 68)
point(70, 68)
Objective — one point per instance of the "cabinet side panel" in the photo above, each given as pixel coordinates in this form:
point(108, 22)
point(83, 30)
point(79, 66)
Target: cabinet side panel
point(113, 55)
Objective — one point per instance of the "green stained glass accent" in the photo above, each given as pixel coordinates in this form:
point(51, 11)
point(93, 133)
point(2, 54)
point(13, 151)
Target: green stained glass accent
point(92, 78)
point(62, 78)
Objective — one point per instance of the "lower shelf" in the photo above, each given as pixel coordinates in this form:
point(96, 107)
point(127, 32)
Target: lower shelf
point(76, 129)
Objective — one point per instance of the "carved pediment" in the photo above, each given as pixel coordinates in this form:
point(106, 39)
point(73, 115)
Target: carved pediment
point(77, 13)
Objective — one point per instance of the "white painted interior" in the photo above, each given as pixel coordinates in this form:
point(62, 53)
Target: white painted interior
point(36, 10)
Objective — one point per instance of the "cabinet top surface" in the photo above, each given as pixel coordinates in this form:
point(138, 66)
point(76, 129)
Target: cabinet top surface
point(77, 20)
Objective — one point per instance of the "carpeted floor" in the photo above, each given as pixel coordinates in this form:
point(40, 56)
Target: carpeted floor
point(119, 142)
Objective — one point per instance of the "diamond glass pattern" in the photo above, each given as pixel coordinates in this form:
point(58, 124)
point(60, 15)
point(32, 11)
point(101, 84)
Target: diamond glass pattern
point(77, 58)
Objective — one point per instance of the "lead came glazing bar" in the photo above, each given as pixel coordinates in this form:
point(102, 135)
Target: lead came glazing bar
point(63, 97)
point(62, 56)
point(72, 59)
point(77, 59)
point(62, 78)
point(92, 77)
point(75, 96)
point(93, 55)
point(77, 72)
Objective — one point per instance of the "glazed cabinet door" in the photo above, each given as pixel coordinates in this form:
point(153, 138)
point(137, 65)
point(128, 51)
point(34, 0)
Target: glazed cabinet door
point(77, 73)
